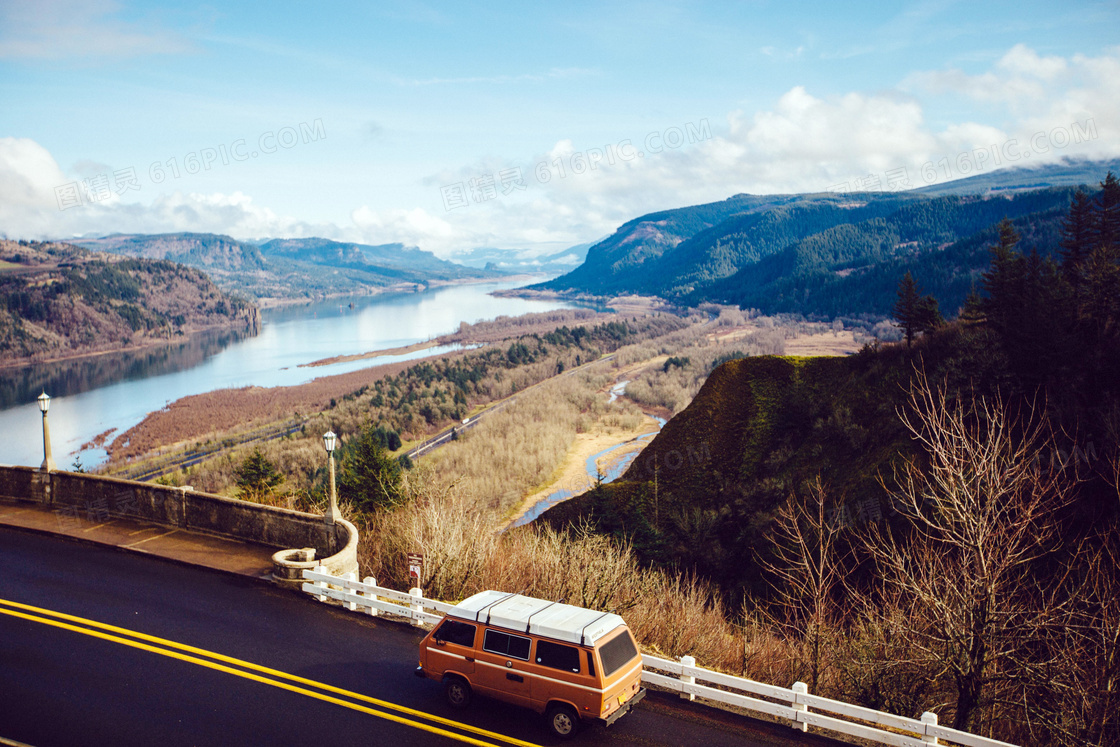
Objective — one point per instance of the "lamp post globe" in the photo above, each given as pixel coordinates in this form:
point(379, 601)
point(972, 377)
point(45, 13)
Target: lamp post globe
point(329, 441)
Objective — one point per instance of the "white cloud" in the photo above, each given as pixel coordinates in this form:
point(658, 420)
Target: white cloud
point(807, 142)
point(58, 29)
point(415, 227)
point(31, 206)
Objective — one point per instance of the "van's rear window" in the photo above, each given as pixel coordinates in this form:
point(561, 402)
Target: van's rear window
point(617, 652)
point(454, 631)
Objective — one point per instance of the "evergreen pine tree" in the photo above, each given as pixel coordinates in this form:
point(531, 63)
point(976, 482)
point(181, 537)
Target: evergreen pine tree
point(929, 315)
point(369, 476)
point(1107, 224)
point(907, 311)
point(1004, 281)
point(256, 477)
point(1077, 237)
point(972, 312)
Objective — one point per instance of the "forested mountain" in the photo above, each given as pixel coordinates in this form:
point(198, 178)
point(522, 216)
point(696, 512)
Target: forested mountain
point(58, 300)
point(1068, 172)
point(645, 239)
point(825, 254)
point(292, 268)
point(853, 268)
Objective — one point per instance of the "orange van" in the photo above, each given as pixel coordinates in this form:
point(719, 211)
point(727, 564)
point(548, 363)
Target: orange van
point(570, 663)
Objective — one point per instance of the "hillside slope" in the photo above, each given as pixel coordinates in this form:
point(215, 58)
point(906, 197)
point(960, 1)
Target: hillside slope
point(59, 300)
point(702, 494)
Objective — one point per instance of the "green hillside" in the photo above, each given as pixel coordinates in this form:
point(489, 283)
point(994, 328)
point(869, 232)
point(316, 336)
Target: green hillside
point(827, 254)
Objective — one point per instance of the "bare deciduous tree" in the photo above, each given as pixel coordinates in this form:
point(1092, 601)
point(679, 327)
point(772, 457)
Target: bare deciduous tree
point(982, 511)
point(805, 573)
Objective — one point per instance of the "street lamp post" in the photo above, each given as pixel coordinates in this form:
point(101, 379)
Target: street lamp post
point(329, 439)
point(48, 460)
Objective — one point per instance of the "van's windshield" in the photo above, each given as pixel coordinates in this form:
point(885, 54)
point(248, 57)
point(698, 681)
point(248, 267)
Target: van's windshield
point(617, 652)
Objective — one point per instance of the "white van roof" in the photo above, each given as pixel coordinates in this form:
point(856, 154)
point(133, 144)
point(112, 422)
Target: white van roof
point(562, 622)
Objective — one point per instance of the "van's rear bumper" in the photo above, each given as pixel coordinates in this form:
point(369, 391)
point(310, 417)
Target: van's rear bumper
point(624, 708)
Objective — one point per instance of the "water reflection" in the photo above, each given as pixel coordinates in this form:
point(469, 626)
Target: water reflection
point(66, 378)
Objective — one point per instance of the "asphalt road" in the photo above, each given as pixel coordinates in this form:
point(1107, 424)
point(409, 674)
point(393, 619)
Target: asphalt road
point(104, 647)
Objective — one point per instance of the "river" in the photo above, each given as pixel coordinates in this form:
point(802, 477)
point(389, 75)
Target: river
point(91, 395)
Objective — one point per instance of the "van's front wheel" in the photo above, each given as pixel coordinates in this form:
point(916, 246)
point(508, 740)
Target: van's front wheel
point(457, 691)
point(563, 721)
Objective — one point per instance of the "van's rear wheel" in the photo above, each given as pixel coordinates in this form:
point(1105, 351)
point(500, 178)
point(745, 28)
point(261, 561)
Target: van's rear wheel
point(563, 721)
point(457, 691)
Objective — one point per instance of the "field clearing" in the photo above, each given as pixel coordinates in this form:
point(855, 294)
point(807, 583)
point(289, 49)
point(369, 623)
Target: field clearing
point(824, 344)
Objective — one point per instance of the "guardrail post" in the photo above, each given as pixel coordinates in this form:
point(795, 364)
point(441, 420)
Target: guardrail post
point(350, 577)
point(370, 581)
point(800, 688)
point(930, 719)
point(321, 584)
point(417, 606)
point(688, 661)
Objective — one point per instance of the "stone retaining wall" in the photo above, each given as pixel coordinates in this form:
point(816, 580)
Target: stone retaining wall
point(104, 497)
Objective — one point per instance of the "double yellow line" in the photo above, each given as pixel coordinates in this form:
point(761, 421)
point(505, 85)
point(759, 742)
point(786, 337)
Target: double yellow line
point(255, 672)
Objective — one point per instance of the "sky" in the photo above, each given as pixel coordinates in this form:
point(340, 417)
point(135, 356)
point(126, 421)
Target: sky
point(528, 126)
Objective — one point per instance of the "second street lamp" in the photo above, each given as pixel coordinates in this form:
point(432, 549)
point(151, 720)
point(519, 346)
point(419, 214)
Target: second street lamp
point(44, 405)
point(329, 440)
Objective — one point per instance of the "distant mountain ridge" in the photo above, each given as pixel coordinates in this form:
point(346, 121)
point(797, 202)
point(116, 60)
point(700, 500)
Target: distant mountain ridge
point(201, 250)
point(410, 259)
point(292, 268)
point(816, 254)
point(520, 261)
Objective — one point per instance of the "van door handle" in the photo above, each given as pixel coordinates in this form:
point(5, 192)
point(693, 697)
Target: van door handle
point(468, 658)
point(514, 677)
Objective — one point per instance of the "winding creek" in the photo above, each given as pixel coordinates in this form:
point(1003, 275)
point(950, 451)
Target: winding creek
point(613, 471)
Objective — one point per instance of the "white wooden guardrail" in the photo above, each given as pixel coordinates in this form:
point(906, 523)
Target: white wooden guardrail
point(373, 599)
point(794, 704)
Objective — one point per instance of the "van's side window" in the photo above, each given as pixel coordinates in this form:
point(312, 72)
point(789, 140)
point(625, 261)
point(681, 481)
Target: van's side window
point(590, 664)
point(558, 656)
point(456, 632)
point(513, 646)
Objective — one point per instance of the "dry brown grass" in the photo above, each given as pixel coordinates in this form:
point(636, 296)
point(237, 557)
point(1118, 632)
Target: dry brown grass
point(517, 449)
point(670, 614)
